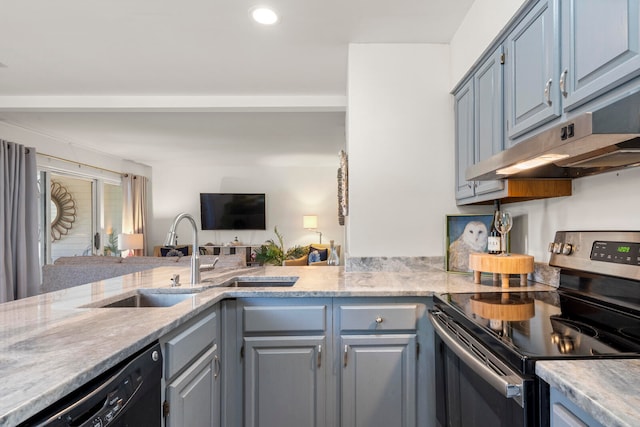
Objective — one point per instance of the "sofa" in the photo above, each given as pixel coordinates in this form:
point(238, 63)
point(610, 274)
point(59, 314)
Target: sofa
point(323, 252)
point(66, 272)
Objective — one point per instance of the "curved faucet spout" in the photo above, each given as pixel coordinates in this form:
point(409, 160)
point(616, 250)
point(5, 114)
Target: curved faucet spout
point(195, 251)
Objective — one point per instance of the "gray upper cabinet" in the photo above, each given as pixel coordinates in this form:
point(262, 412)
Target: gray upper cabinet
point(533, 61)
point(489, 115)
point(464, 139)
point(600, 46)
point(479, 124)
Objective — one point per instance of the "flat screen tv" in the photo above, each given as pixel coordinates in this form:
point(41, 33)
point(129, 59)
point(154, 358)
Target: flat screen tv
point(227, 211)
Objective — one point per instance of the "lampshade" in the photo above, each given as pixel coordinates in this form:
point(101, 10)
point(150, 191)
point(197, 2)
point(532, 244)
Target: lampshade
point(310, 221)
point(130, 241)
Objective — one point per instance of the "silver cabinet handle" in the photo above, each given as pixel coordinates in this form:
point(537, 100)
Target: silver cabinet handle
point(319, 355)
point(563, 83)
point(379, 320)
point(216, 362)
point(547, 92)
point(346, 352)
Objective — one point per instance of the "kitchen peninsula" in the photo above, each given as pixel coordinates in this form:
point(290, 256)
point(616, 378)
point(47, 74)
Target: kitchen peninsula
point(52, 343)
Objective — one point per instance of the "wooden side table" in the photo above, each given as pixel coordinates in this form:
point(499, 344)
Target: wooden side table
point(503, 265)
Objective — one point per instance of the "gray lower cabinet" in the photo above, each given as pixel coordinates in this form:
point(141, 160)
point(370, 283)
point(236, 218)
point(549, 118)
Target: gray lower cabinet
point(192, 373)
point(194, 397)
point(285, 363)
point(565, 413)
point(378, 386)
point(381, 374)
point(284, 381)
point(332, 362)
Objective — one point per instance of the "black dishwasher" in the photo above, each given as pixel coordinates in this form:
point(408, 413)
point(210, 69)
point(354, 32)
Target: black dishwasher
point(127, 395)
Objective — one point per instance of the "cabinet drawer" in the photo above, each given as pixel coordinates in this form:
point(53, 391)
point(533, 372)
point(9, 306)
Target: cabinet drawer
point(284, 318)
point(184, 347)
point(378, 317)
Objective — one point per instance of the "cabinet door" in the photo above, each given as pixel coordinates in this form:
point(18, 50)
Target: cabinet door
point(194, 396)
point(488, 112)
point(378, 384)
point(285, 381)
point(464, 139)
point(565, 413)
point(533, 61)
point(601, 47)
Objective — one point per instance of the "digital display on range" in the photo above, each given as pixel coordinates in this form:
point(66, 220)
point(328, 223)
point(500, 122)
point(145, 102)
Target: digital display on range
point(616, 252)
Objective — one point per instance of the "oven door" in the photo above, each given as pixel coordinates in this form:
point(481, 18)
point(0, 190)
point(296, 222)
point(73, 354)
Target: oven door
point(473, 386)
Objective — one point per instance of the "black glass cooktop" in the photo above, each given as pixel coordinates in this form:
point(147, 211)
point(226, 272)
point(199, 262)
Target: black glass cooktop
point(525, 326)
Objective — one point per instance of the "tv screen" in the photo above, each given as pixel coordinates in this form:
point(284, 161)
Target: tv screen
point(226, 211)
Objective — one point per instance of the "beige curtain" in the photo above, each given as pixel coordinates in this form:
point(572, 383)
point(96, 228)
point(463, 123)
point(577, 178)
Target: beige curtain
point(134, 207)
point(19, 262)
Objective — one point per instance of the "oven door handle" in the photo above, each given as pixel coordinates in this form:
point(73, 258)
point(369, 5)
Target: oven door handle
point(510, 386)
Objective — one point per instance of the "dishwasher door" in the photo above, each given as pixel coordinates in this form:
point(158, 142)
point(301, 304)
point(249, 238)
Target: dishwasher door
point(127, 395)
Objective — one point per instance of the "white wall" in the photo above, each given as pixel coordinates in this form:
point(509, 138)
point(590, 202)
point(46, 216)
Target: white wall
point(291, 192)
point(401, 152)
point(608, 201)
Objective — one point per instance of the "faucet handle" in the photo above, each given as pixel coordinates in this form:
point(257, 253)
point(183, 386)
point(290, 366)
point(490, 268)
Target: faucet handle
point(175, 280)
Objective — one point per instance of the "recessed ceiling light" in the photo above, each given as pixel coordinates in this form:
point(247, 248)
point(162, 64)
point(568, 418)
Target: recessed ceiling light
point(263, 15)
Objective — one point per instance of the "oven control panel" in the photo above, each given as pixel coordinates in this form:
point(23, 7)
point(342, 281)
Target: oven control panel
point(618, 252)
point(614, 253)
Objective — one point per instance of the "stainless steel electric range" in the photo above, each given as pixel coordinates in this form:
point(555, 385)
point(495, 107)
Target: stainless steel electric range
point(487, 343)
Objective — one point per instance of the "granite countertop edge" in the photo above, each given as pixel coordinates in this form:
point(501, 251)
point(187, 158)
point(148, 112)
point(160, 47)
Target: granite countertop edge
point(603, 388)
point(41, 336)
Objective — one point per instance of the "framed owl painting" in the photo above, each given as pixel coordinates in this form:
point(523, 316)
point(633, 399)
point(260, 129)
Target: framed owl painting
point(465, 234)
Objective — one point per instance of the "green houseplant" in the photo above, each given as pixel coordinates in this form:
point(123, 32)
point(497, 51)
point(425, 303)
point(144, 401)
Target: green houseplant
point(274, 253)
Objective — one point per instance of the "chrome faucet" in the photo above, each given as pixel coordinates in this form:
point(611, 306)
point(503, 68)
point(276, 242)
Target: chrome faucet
point(211, 266)
point(195, 251)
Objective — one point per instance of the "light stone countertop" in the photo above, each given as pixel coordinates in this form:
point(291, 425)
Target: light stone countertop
point(53, 343)
point(608, 390)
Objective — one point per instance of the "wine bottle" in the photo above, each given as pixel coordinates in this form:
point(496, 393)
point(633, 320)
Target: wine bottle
point(333, 255)
point(493, 240)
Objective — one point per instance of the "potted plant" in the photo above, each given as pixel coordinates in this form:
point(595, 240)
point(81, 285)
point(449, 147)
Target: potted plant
point(274, 253)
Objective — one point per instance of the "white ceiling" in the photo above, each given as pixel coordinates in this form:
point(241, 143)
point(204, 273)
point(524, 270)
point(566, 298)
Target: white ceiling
point(65, 51)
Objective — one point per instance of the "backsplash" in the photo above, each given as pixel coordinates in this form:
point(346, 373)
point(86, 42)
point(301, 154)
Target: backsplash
point(399, 264)
point(543, 273)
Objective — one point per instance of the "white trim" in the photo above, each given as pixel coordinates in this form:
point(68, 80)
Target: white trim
point(68, 167)
point(309, 103)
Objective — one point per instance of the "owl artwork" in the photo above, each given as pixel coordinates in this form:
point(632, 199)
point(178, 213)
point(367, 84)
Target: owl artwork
point(472, 239)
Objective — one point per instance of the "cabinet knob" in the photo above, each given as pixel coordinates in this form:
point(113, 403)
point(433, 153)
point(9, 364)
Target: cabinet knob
point(379, 319)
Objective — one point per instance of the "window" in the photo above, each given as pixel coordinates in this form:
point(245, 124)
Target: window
point(81, 212)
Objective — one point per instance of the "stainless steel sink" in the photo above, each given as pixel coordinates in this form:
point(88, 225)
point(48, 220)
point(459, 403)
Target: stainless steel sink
point(150, 299)
point(260, 282)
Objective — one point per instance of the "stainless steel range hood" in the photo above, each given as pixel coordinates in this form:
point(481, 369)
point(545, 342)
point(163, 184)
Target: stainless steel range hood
point(590, 143)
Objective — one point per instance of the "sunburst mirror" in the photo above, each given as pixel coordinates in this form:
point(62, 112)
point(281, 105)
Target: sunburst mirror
point(63, 211)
